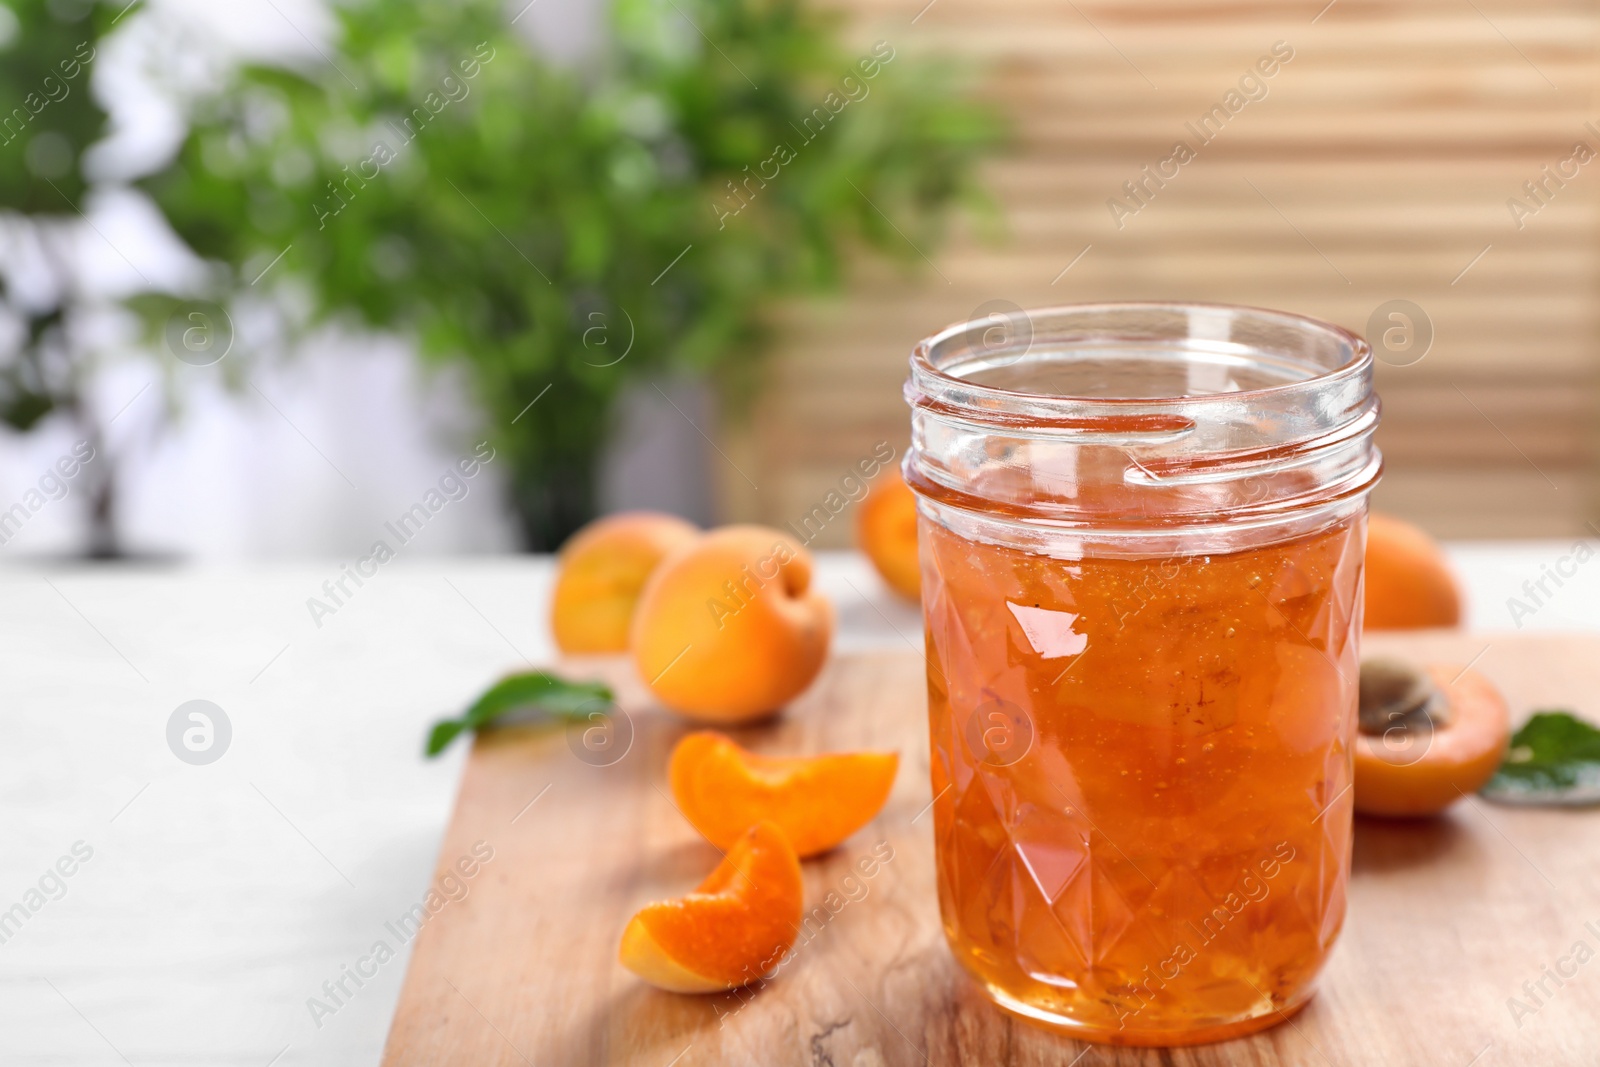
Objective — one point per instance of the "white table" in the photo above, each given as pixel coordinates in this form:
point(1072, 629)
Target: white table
point(219, 898)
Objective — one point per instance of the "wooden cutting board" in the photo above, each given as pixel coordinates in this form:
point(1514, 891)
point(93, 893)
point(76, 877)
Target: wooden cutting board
point(517, 963)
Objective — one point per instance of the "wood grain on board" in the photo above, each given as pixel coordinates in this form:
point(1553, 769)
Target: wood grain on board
point(1448, 917)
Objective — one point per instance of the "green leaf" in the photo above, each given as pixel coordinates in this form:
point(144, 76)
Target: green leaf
point(1554, 759)
point(537, 691)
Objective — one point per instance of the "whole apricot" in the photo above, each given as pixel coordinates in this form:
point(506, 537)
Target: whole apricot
point(1409, 584)
point(600, 573)
point(728, 628)
point(886, 530)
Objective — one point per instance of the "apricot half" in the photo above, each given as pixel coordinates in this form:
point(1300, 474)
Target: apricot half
point(731, 930)
point(1409, 585)
point(729, 629)
point(1427, 737)
point(600, 573)
point(817, 801)
point(886, 530)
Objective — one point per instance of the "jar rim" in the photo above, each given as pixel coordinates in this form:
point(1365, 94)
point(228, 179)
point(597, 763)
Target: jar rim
point(925, 371)
point(1252, 418)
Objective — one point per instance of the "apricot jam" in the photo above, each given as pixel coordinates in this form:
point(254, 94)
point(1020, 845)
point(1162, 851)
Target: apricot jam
point(1141, 542)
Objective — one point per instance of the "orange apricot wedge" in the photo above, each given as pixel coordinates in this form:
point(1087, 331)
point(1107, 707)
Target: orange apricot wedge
point(734, 928)
point(1427, 738)
point(817, 801)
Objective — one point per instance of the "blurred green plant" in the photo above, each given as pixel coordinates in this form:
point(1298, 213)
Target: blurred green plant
point(48, 117)
point(561, 229)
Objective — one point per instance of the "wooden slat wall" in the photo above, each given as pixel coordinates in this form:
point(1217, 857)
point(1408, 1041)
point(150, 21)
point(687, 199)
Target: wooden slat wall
point(1378, 167)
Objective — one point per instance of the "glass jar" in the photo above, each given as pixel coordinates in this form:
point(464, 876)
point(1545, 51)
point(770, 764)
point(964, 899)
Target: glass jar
point(1141, 530)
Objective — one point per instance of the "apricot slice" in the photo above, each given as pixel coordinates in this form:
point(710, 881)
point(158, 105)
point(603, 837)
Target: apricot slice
point(1409, 585)
point(886, 530)
point(731, 930)
point(1426, 738)
point(729, 628)
point(600, 573)
point(817, 801)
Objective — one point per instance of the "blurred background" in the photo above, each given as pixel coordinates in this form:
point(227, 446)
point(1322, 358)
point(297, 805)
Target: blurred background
point(278, 266)
point(281, 280)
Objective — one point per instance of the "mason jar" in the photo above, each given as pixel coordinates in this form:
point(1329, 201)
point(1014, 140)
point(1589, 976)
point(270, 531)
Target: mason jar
point(1141, 531)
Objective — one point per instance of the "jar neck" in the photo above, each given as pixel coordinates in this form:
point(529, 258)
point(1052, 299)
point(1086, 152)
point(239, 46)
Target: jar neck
point(1143, 421)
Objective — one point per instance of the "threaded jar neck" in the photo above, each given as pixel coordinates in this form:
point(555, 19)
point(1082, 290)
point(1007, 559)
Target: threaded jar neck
point(1231, 425)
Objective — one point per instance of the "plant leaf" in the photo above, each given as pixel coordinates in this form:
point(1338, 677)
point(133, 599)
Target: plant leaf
point(1554, 759)
point(626, 161)
point(538, 691)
